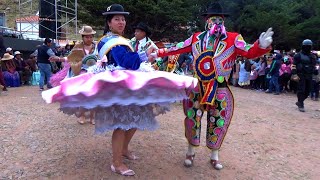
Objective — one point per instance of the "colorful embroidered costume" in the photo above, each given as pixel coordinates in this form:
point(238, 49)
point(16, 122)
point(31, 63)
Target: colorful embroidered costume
point(212, 68)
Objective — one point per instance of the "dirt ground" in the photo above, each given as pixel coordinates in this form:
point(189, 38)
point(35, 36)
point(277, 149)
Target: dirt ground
point(267, 139)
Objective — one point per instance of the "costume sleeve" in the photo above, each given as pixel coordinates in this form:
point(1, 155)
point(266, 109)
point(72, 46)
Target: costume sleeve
point(250, 51)
point(186, 48)
point(127, 59)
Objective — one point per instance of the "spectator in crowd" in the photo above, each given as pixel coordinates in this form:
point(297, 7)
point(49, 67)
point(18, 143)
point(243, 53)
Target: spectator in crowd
point(285, 74)
point(316, 83)
point(9, 50)
point(22, 68)
point(260, 81)
point(11, 76)
point(244, 73)
point(32, 63)
point(269, 62)
point(2, 83)
point(235, 72)
point(274, 74)
point(254, 73)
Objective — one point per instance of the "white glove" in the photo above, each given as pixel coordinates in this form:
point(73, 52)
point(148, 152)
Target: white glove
point(154, 54)
point(265, 38)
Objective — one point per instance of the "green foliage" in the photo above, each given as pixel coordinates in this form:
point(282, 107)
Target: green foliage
point(291, 20)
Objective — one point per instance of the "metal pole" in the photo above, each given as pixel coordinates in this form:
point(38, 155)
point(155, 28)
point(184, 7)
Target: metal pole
point(56, 16)
point(67, 27)
point(76, 13)
point(20, 17)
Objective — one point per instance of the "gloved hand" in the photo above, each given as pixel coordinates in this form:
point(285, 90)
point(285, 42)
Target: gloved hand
point(265, 38)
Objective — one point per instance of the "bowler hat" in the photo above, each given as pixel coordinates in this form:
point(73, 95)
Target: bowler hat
point(87, 30)
point(115, 9)
point(142, 26)
point(7, 56)
point(214, 8)
point(17, 53)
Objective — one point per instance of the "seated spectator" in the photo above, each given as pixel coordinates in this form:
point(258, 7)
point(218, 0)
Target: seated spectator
point(11, 76)
point(32, 63)
point(2, 83)
point(9, 50)
point(22, 68)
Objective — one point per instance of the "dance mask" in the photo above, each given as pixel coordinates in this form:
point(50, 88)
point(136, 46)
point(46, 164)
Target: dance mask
point(215, 25)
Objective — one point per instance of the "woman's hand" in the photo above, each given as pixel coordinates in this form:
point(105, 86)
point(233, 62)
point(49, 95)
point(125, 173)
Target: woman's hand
point(150, 51)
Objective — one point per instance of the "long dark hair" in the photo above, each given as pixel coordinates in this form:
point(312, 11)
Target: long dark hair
point(108, 19)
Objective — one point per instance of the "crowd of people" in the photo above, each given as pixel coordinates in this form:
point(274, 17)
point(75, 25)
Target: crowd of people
point(271, 73)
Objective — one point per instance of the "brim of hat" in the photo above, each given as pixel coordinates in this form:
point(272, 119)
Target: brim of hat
point(6, 59)
point(147, 32)
point(121, 13)
point(212, 14)
point(83, 33)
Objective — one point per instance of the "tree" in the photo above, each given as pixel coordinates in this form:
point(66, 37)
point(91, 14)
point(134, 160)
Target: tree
point(291, 20)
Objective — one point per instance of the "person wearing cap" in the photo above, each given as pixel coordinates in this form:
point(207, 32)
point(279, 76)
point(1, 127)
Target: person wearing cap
point(23, 68)
point(76, 62)
point(81, 49)
point(214, 51)
point(9, 50)
point(44, 52)
point(303, 67)
point(116, 50)
point(122, 88)
point(141, 40)
point(274, 74)
point(11, 76)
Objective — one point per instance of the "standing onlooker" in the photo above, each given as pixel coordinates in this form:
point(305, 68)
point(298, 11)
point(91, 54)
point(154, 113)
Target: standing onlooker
point(316, 84)
point(261, 74)
point(285, 74)
point(254, 73)
point(274, 74)
point(244, 72)
point(304, 66)
point(44, 52)
point(235, 73)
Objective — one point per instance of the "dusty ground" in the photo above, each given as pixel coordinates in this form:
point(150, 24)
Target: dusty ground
point(268, 139)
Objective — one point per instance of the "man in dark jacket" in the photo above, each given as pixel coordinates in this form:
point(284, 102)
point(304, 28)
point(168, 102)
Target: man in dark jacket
point(274, 74)
point(44, 65)
point(304, 66)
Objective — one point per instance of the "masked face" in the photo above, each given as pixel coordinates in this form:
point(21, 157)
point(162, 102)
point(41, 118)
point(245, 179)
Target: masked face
point(215, 25)
point(306, 48)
